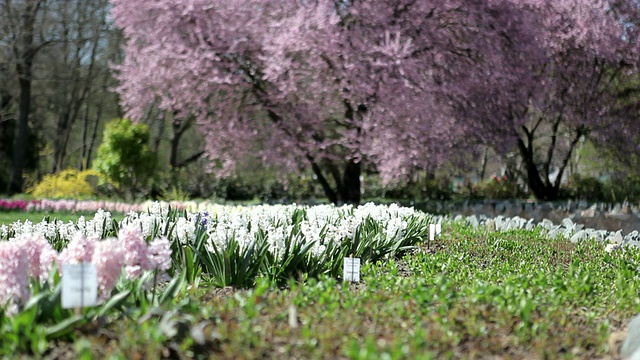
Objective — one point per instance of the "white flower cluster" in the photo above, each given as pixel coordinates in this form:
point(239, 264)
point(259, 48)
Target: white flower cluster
point(56, 229)
point(322, 225)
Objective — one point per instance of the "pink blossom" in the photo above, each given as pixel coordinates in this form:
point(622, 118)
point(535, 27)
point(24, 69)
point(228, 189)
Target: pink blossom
point(159, 254)
point(79, 250)
point(108, 259)
point(14, 275)
point(10, 204)
point(135, 250)
point(40, 253)
point(395, 85)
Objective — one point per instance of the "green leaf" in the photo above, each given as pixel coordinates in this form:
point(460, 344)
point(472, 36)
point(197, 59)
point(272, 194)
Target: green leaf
point(113, 302)
point(35, 300)
point(64, 327)
point(175, 286)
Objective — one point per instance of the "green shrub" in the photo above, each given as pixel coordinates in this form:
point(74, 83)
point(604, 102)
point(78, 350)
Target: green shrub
point(433, 188)
point(621, 187)
point(588, 188)
point(125, 157)
point(499, 188)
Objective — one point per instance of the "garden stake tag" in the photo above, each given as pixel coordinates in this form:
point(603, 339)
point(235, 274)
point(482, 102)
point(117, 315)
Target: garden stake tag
point(79, 285)
point(351, 269)
point(434, 230)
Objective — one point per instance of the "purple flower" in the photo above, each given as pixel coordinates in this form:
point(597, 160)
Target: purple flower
point(202, 218)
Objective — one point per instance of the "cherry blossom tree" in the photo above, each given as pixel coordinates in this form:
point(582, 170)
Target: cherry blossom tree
point(393, 84)
point(325, 84)
point(548, 80)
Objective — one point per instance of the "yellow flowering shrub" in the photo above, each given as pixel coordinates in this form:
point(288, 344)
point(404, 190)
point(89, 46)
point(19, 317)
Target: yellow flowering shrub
point(67, 184)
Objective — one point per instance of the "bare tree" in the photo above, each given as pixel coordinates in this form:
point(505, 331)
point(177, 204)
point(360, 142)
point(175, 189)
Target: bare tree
point(79, 60)
point(23, 30)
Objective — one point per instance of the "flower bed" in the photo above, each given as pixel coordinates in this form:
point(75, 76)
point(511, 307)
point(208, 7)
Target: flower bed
point(224, 246)
point(74, 206)
point(13, 205)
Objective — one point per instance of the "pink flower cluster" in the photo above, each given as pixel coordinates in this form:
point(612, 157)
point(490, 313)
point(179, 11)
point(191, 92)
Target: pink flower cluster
point(18, 204)
point(40, 254)
point(79, 250)
point(108, 259)
point(130, 250)
point(14, 277)
point(33, 256)
point(23, 257)
point(75, 206)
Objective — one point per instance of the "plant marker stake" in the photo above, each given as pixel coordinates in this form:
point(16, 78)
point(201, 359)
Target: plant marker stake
point(352, 265)
point(351, 269)
point(79, 309)
point(79, 286)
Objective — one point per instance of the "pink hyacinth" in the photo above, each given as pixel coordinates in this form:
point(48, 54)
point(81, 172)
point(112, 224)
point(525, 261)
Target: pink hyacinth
point(41, 255)
point(79, 250)
point(135, 250)
point(108, 259)
point(14, 275)
point(159, 254)
point(10, 204)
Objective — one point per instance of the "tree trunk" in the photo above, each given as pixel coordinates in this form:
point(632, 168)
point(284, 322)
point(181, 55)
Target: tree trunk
point(22, 130)
point(326, 187)
point(540, 189)
point(82, 165)
point(173, 151)
point(347, 182)
point(179, 128)
point(88, 147)
point(483, 166)
point(94, 135)
point(24, 51)
point(350, 190)
point(160, 125)
point(80, 89)
point(61, 140)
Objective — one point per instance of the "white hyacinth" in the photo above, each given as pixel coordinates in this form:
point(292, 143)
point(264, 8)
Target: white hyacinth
point(322, 225)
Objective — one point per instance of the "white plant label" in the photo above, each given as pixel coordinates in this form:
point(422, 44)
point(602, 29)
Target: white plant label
point(434, 230)
point(79, 285)
point(351, 269)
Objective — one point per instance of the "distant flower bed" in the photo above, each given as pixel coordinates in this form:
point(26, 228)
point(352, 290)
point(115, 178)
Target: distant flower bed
point(73, 206)
point(13, 205)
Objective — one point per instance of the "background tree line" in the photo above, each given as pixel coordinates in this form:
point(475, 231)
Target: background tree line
point(323, 98)
point(56, 90)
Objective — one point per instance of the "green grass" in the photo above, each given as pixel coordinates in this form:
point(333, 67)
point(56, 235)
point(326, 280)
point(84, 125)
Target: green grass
point(469, 294)
point(10, 217)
